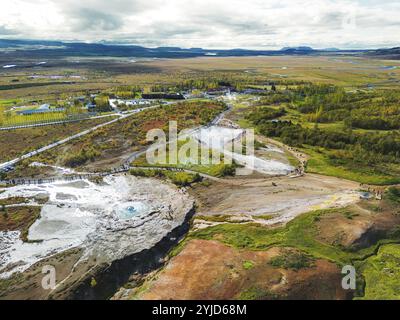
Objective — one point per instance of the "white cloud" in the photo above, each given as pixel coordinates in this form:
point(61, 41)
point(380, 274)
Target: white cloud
point(207, 23)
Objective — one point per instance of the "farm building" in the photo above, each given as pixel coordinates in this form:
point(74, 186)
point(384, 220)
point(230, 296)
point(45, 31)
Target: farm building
point(154, 96)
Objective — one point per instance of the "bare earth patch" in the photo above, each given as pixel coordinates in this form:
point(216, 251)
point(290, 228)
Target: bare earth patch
point(208, 270)
point(283, 197)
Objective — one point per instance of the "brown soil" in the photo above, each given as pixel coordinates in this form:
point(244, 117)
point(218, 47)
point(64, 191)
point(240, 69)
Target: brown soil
point(209, 270)
point(19, 218)
point(149, 125)
point(17, 142)
point(14, 200)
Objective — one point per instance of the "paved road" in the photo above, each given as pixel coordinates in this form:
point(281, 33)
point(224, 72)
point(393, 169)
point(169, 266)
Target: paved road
point(128, 161)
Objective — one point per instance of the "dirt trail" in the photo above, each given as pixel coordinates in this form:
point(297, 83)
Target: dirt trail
point(300, 156)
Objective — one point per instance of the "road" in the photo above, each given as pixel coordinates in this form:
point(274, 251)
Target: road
point(214, 122)
point(127, 164)
point(76, 136)
point(128, 161)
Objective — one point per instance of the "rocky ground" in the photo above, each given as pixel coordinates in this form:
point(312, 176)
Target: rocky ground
point(281, 198)
point(85, 226)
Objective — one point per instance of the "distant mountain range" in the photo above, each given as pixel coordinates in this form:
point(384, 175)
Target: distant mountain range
point(393, 53)
point(54, 49)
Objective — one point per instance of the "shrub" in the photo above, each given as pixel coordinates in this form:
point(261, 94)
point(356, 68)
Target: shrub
point(181, 179)
point(393, 194)
point(80, 158)
point(247, 265)
point(93, 282)
point(292, 260)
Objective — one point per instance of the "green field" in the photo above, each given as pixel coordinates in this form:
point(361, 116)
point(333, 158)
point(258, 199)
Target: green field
point(15, 120)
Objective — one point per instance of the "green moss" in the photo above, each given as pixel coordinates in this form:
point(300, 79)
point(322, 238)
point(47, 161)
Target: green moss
point(216, 218)
point(382, 274)
point(301, 233)
point(265, 217)
point(247, 265)
point(256, 293)
point(294, 162)
point(93, 282)
point(350, 215)
point(292, 260)
point(181, 179)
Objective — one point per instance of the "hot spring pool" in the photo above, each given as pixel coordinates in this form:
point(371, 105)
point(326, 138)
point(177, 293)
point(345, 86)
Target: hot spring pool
point(119, 217)
point(129, 210)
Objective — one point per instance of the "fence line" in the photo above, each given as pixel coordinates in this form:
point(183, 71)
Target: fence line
point(52, 122)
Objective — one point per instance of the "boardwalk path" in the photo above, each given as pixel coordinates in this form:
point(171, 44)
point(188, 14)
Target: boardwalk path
point(86, 176)
point(124, 168)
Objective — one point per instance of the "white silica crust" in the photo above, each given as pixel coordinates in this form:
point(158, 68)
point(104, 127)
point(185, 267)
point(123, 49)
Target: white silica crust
point(123, 216)
point(217, 138)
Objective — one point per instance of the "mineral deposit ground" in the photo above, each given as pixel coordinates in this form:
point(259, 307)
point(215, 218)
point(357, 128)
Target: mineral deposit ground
point(316, 190)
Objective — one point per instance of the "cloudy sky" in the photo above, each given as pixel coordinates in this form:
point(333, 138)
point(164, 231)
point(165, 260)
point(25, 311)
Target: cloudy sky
point(256, 24)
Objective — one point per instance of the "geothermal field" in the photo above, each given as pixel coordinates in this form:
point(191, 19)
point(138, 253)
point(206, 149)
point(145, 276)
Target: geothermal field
point(119, 217)
point(223, 140)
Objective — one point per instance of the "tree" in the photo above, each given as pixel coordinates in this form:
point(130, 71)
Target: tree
point(102, 103)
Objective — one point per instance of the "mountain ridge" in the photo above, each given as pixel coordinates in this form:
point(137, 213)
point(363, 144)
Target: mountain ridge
point(50, 48)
